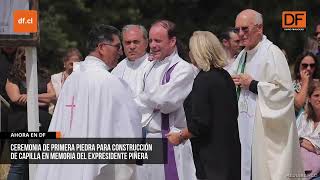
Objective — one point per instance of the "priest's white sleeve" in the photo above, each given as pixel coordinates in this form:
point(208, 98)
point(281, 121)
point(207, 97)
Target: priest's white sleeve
point(275, 140)
point(275, 91)
point(169, 97)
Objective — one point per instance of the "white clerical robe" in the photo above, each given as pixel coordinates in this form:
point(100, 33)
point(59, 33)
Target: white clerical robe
point(132, 72)
point(267, 130)
point(93, 103)
point(168, 98)
point(229, 63)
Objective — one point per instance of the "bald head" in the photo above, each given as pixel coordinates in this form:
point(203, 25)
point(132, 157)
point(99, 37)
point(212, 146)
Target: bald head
point(249, 28)
point(251, 15)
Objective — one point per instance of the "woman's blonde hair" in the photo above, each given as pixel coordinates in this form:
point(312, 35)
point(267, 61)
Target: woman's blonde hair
point(207, 51)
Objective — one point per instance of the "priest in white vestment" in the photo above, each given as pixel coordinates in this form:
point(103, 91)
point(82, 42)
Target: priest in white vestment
point(268, 135)
point(166, 86)
point(133, 68)
point(93, 103)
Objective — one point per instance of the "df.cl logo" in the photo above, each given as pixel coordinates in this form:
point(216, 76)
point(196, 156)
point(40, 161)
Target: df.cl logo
point(25, 21)
point(294, 20)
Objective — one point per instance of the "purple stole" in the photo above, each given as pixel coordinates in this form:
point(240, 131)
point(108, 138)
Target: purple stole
point(170, 169)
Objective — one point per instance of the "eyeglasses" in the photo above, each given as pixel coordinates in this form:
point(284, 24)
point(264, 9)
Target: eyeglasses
point(305, 65)
point(244, 29)
point(316, 33)
point(117, 46)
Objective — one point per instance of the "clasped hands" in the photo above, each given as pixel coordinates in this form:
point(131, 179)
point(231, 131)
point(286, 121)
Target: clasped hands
point(242, 80)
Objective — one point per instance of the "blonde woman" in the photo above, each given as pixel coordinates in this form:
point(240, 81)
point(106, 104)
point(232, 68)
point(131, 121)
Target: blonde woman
point(211, 111)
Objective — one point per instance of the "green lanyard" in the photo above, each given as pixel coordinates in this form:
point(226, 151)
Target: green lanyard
point(241, 66)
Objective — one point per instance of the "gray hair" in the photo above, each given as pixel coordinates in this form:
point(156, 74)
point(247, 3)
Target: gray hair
point(259, 18)
point(142, 28)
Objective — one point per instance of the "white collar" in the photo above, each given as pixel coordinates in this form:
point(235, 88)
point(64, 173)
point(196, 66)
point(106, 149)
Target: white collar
point(92, 60)
point(167, 59)
point(137, 61)
point(255, 49)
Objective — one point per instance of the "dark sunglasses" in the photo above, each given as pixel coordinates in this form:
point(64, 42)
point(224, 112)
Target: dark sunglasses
point(243, 29)
point(316, 33)
point(304, 65)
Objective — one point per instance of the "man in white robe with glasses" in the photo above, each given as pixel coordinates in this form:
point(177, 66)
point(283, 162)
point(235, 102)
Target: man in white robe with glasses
point(268, 134)
point(95, 104)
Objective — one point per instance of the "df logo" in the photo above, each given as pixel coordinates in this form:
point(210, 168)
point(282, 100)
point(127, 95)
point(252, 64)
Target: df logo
point(25, 21)
point(294, 20)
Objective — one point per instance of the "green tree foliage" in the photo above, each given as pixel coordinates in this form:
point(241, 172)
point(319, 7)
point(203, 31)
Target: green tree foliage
point(65, 24)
